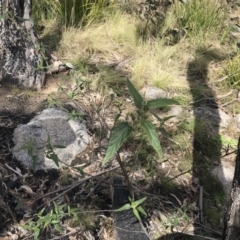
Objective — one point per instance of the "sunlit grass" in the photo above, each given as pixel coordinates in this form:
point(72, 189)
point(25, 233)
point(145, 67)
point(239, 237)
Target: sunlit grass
point(200, 18)
point(150, 62)
point(231, 69)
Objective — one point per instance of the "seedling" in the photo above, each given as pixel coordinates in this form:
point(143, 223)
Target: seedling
point(122, 130)
point(135, 206)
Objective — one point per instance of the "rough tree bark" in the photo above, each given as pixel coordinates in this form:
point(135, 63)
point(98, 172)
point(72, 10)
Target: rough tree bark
point(232, 220)
point(19, 46)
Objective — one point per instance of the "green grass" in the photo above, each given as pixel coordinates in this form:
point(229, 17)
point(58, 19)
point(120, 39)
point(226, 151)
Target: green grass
point(73, 13)
point(232, 70)
point(200, 18)
point(46, 10)
point(186, 162)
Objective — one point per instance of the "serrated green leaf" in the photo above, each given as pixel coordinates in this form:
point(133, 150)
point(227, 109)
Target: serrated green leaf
point(161, 102)
point(135, 211)
point(141, 210)
point(137, 98)
point(138, 202)
point(123, 208)
point(152, 136)
point(119, 135)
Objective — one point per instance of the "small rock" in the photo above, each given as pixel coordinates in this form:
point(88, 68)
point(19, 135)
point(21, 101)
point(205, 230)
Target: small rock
point(175, 111)
point(225, 175)
point(153, 93)
point(237, 119)
point(51, 123)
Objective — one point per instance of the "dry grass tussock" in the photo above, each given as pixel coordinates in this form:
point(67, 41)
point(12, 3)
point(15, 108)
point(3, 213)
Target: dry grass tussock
point(151, 61)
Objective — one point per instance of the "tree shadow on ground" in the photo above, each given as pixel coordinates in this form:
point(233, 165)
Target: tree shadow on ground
point(206, 141)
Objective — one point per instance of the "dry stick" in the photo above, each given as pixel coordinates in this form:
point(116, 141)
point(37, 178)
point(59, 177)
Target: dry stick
point(125, 174)
point(214, 98)
point(209, 229)
point(71, 186)
point(235, 151)
point(201, 203)
point(178, 176)
point(10, 168)
point(233, 100)
point(65, 235)
point(196, 235)
point(221, 79)
point(92, 190)
point(226, 77)
point(216, 106)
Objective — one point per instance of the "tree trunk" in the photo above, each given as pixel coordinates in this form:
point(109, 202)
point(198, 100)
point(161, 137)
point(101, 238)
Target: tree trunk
point(232, 220)
point(20, 58)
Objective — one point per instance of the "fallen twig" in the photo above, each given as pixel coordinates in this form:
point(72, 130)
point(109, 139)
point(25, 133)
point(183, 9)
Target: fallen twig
point(65, 235)
point(10, 168)
point(213, 98)
point(209, 229)
point(75, 184)
point(233, 100)
point(196, 235)
point(201, 203)
point(178, 176)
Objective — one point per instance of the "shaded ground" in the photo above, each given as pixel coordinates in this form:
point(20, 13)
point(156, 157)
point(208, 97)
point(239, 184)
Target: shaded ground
point(171, 196)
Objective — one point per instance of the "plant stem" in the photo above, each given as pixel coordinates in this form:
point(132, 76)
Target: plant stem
point(125, 174)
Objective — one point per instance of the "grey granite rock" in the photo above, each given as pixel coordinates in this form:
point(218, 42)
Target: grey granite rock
point(153, 93)
point(175, 111)
point(53, 123)
point(224, 173)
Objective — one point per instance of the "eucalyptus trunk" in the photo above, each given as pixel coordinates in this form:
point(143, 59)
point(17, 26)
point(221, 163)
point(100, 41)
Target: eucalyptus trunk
point(232, 218)
point(20, 56)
